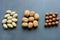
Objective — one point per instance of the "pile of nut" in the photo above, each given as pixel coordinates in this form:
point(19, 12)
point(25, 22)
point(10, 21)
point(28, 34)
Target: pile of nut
point(51, 19)
point(30, 19)
point(10, 19)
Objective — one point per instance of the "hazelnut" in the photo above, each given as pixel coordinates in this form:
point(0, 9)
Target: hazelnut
point(56, 22)
point(51, 13)
point(47, 21)
point(49, 24)
point(46, 24)
point(50, 20)
point(50, 17)
point(47, 14)
point(47, 17)
point(54, 15)
point(54, 19)
point(57, 19)
point(53, 23)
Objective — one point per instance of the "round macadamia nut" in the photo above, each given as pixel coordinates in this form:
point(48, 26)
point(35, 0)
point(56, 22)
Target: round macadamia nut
point(35, 23)
point(31, 19)
point(36, 16)
point(27, 13)
point(24, 24)
point(24, 19)
point(30, 25)
point(32, 13)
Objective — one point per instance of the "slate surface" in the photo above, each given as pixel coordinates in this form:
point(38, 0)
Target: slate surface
point(40, 6)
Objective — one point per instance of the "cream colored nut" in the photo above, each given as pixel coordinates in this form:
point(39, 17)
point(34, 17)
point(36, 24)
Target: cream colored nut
point(4, 20)
point(12, 13)
point(32, 13)
point(36, 16)
point(8, 11)
point(9, 17)
point(15, 15)
point(26, 13)
point(10, 25)
point(30, 25)
point(6, 15)
point(14, 20)
point(31, 19)
point(24, 24)
point(35, 23)
point(24, 19)
point(14, 24)
point(5, 26)
point(9, 21)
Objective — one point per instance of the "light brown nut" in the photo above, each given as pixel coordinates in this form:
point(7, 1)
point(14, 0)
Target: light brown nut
point(10, 25)
point(4, 20)
point(36, 16)
point(15, 15)
point(12, 13)
point(9, 17)
point(35, 23)
point(30, 25)
point(14, 24)
point(6, 15)
point(8, 11)
point(32, 13)
point(14, 19)
point(27, 13)
point(24, 19)
point(9, 21)
point(31, 19)
point(5, 26)
point(24, 24)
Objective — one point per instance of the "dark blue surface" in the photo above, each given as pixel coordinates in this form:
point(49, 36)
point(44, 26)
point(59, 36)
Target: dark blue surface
point(40, 6)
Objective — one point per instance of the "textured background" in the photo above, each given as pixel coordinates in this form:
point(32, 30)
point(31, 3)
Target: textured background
point(40, 6)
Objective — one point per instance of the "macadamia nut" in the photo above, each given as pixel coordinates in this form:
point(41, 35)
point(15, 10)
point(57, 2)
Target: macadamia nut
point(31, 19)
point(36, 16)
point(30, 25)
point(27, 13)
point(24, 24)
point(24, 19)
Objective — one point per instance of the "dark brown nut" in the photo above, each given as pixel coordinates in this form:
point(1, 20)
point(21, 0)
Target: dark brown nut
point(50, 13)
point(56, 13)
point(50, 17)
point(50, 20)
point(56, 22)
point(47, 14)
point(54, 19)
point(53, 23)
point(47, 17)
point(49, 24)
point(47, 21)
point(46, 24)
point(57, 19)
